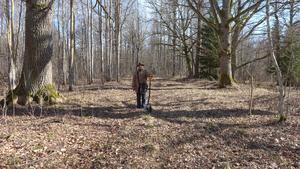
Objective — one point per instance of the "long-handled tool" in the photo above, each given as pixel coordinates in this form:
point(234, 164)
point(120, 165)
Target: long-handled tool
point(148, 106)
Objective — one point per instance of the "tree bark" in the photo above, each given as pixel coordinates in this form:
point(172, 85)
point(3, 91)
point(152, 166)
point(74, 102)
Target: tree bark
point(72, 47)
point(117, 35)
point(225, 78)
point(106, 45)
point(174, 12)
point(198, 50)
point(278, 71)
point(91, 59)
point(64, 77)
point(37, 65)
point(100, 40)
point(10, 43)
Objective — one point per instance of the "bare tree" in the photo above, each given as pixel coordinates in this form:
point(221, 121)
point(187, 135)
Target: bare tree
point(72, 46)
point(90, 42)
point(38, 51)
point(11, 44)
point(278, 71)
point(223, 23)
point(63, 46)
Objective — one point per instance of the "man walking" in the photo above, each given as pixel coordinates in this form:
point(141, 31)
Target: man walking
point(139, 84)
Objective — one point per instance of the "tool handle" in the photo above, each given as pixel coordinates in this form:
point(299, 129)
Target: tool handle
point(149, 91)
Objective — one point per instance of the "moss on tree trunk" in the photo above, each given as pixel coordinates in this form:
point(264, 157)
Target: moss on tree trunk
point(225, 76)
point(225, 80)
point(36, 83)
point(45, 95)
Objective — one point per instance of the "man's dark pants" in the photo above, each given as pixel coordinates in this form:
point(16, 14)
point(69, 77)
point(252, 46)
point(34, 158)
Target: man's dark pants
point(141, 95)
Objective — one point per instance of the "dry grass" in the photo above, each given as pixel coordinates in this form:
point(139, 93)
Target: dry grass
point(193, 125)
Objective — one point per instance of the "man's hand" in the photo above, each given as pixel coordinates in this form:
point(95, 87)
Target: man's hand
point(151, 77)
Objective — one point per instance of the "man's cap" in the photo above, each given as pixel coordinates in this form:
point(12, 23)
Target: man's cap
point(140, 64)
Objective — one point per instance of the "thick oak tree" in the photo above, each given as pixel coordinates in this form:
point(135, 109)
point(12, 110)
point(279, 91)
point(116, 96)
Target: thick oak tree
point(36, 77)
point(224, 23)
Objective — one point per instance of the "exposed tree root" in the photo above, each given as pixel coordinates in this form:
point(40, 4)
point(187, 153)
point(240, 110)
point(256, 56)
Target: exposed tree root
point(45, 95)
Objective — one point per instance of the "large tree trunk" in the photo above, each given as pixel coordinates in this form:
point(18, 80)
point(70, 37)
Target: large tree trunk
point(37, 66)
point(225, 61)
point(225, 78)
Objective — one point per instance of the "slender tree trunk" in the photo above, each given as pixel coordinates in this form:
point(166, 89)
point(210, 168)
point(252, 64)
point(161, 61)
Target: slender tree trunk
point(91, 44)
point(87, 43)
point(59, 61)
point(278, 71)
point(138, 37)
point(110, 40)
point(292, 12)
point(87, 47)
point(198, 49)
point(174, 56)
point(188, 61)
point(276, 32)
point(111, 35)
point(100, 40)
point(106, 46)
point(18, 33)
point(174, 37)
point(1, 24)
point(117, 35)
point(11, 44)
point(234, 45)
point(72, 46)
point(64, 78)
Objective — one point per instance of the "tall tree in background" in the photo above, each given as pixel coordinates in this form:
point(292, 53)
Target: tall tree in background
point(180, 31)
point(100, 32)
point(278, 71)
point(223, 23)
point(117, 19)
point(90, 31)
point(72, 46)
point(63, 46)
point(198, 44)
point(209, 57)
point(10, 41)
point(174, 38)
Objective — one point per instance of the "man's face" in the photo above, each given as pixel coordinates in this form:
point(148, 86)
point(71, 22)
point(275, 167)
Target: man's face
point(140, 68)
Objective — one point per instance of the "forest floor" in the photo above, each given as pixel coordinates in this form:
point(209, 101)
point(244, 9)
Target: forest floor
point(193, 125)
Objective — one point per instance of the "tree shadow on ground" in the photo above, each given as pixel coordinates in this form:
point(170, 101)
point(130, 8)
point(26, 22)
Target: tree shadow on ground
point(111, 112)
point(211, 113)
point(237, 137)
point(271, 146)
point(202, 101)
point(129, 111)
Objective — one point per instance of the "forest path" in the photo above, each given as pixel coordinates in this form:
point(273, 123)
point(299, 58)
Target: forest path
point(194, 125)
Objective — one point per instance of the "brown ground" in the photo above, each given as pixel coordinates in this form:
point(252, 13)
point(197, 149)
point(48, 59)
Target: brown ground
point(193, 125)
